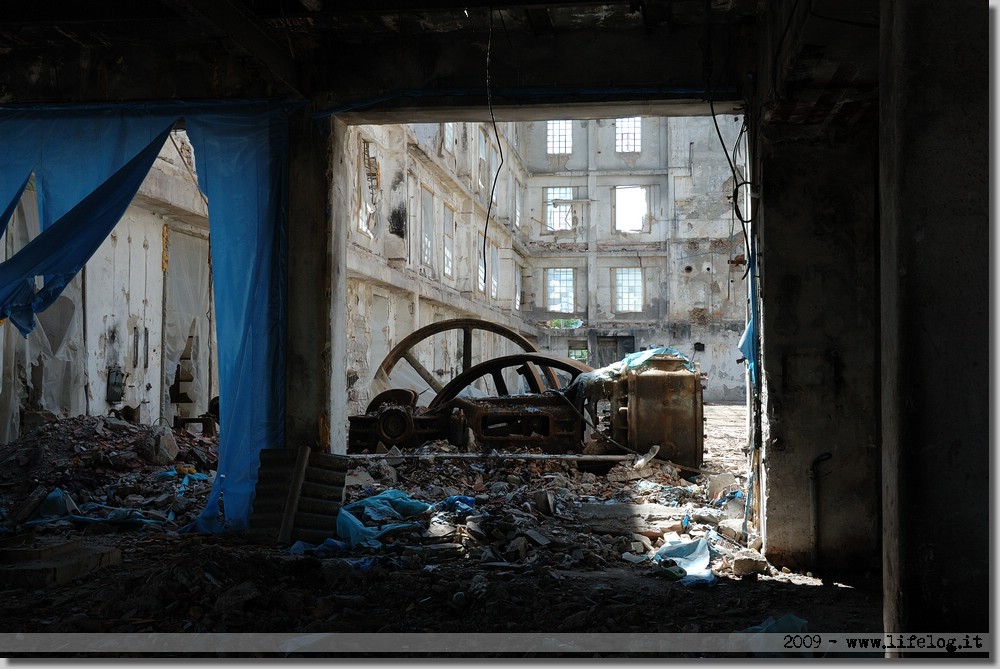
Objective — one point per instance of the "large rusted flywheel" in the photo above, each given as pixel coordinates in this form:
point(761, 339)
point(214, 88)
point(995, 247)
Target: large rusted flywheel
point(404, 350)
point(529, 366)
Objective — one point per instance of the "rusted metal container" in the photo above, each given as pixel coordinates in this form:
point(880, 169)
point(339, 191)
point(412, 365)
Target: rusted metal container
point(660, 402)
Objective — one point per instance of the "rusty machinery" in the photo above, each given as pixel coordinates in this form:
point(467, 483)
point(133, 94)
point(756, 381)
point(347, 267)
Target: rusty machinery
point(537, 401)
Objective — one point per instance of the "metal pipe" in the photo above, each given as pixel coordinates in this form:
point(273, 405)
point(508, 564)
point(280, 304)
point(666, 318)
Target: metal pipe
point(814, 510)
point(493, 455)
point(512, 456)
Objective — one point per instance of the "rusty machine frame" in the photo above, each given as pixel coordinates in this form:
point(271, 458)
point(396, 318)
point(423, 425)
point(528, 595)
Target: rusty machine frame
point(537, 401)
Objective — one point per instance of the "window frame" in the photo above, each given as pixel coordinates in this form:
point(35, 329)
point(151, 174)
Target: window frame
point(367, 200)
point(448, 136)
point(481, 262)
point(427, 227)
point(552, 211)
point(619, 305)
point(494, 271)
point(518, 287)
point(628, 134)
point(645, 223)
point(559, 137)
point(449, 241)
point(560, 295)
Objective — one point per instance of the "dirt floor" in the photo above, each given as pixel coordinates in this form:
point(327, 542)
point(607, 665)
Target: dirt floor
point(544, 547)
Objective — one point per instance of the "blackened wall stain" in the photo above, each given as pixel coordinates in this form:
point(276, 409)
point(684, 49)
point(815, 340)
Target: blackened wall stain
point(397, 221)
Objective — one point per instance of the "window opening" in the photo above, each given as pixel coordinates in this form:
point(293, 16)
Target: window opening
point(427, 227)
point(494, 272)
point(449, 137)
point(449, 241)
point(631, 208)
point(559, 289)
point(482, 265)
point(517, 203)
point(578, 350)
point(558, 208)
point(628, 134)
point(559, 137)
point(517, 288)
point(484, 164)
point(371, 176)
point(628, 289)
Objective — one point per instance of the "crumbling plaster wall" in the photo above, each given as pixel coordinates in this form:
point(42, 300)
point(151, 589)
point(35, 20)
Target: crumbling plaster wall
point(691, 251)
point(111, 314)
point(393, 287)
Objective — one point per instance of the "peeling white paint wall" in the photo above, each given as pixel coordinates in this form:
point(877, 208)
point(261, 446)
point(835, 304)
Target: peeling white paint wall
point(114, 314)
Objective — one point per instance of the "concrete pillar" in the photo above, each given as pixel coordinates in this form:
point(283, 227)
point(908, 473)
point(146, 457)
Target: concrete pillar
point(593, 302)
point(340, 186)
point(819, 341)
point(307, 416)
point(935, 302)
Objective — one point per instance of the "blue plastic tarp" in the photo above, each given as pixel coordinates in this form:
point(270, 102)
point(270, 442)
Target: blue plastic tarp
point(748, 341)
point(691, 556)
point(388, 505)
point(65, 246)
point(242, 154)
point(633, 360)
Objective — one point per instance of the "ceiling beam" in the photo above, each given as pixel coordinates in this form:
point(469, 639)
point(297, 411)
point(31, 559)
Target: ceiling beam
point(243, 31)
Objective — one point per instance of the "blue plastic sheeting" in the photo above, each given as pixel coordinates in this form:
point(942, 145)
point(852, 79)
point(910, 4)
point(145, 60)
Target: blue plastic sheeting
point(65, 246)
point(243, 168)
point(242, 153)
point(59, 507)
point(388, 505)
point(693, 557)
point(329, 548)
point(356, 533)
point(458, 504)
point(748, 342)
point(633, 360)
point(71, 150)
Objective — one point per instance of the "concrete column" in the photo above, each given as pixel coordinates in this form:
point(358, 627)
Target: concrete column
point(340, 186)
point(593, 311)
point(819, 341)
point(307, 415)
point(935, 301)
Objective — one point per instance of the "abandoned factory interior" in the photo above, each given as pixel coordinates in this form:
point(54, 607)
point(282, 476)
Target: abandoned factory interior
point(666, 320)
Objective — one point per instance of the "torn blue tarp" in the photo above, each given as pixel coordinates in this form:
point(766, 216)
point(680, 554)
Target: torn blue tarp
point(58, 506)
point(748, 345)
point(356, 533)
point(458, 504)
point(242, 150)
point(693, 557)
point(388, 505)
point(62, 249)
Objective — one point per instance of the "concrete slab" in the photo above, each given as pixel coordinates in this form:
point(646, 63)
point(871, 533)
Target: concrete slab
point(42, 566)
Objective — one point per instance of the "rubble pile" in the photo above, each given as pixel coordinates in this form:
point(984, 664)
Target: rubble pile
point(520, 514)
point(435, 544)
point(102, 464)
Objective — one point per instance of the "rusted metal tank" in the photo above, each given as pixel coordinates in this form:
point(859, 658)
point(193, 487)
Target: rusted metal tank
point(660, 402)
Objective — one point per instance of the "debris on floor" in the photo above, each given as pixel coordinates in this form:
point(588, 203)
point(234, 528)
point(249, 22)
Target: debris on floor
point(93, 469)
point(422, 544)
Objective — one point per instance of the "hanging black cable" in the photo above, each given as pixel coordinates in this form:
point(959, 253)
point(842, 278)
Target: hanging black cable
point(496, 134)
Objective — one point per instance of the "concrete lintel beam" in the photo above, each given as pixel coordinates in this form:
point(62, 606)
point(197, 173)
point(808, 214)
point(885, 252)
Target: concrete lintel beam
point(450, 69)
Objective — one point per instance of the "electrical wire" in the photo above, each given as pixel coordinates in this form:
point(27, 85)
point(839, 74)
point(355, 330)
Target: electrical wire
point(496, 134)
